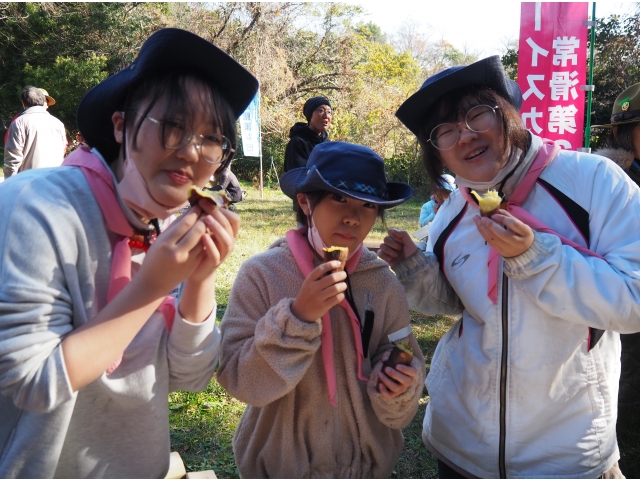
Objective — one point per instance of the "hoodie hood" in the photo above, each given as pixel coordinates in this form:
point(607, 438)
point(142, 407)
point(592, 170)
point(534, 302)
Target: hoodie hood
point(301, 129)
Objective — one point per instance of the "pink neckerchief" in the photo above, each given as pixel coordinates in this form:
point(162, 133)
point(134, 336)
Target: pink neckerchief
point(297, 240)
point(100, 181)
point(546, 154)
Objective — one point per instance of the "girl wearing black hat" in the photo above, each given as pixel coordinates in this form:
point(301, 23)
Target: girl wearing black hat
point(303, 338)
point(101, 315)
point(525, 384)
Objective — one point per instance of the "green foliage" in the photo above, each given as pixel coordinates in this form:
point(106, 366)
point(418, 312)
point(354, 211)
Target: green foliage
point(67, 80)
point(371, 32)
point(510, 63)
point(66, 48)
point(616, 66)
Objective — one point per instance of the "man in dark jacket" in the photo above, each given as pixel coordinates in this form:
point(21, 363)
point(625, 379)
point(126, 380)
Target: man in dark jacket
point(305, 136)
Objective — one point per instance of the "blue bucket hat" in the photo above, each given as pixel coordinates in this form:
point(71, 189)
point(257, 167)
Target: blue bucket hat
point(167, 49)
point(488, 72)
point(346, 169)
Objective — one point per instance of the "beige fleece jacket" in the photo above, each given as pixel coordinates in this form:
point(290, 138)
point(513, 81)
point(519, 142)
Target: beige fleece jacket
point(273, 361)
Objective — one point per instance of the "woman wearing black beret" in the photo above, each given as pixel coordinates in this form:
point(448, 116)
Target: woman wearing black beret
point(106, 305)
point(537, 250)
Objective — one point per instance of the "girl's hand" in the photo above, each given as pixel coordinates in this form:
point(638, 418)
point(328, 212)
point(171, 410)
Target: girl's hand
point(320, 292)
point(218, 240)
point(395, 381)
point(175, 254)
point(397, 247)
point(504, 232)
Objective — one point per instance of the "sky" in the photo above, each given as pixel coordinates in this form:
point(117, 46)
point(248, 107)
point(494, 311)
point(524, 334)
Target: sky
point(481, 27)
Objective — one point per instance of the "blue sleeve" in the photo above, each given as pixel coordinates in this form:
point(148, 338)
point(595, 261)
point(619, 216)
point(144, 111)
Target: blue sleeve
point(427, 213)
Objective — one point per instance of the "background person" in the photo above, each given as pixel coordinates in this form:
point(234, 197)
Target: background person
point(623, 147)
point(430, 208)
point(525, 384)
point(305, 136)
point(49, 100)
point(227, 181)
point(35, 139)
point(300, 342)
point(99, 322)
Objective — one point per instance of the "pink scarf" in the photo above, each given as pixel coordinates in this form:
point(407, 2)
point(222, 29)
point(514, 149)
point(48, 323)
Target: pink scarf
point(545, 155)
point(100, 181)
point(297, 240)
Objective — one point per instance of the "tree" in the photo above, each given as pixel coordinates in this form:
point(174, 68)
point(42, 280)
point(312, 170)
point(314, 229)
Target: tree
point(616, 65)
point(432, 55)
point(67, 48)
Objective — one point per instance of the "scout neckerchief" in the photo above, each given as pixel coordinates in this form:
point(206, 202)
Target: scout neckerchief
point(100, 181)
point(297, 240)
point(546, 154)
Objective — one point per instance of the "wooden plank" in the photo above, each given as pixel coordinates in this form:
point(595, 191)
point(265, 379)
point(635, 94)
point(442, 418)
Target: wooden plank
point(202, 474)
point(176, 466)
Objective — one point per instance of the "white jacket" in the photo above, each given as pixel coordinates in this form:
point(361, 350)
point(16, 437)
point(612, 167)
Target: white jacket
point(36, 139)
point(515, 390)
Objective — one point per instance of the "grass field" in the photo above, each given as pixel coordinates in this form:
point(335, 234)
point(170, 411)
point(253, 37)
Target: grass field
point(202, 424)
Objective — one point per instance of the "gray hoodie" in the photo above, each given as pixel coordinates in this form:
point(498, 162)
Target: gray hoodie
point(54, 277)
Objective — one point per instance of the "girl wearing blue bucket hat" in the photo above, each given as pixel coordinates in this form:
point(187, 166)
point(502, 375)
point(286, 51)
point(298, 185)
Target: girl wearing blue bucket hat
point(304, 339)
point(525, 383)
point(99, 320)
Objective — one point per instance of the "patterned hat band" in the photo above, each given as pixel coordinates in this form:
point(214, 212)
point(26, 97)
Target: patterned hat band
point(358, 187)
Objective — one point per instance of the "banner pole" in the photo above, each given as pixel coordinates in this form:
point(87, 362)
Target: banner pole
point(587, 131)
point(260, 146)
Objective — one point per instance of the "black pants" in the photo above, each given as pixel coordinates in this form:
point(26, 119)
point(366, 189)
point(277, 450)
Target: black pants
point(445, 471)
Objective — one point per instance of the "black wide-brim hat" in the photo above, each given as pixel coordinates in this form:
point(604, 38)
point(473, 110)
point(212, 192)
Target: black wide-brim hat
point(167, 49)
point(347, 169)
point(488, 72)
point(626, 108)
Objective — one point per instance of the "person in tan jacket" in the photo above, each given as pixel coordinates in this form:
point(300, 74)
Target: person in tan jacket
point(303, 343)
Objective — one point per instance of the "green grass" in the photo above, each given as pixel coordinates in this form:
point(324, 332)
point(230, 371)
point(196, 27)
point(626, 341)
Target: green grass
point(202, 424)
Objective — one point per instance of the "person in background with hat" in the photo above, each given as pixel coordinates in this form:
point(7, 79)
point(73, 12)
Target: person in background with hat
point(35, 138)
point(303, 339)
point(99, 322)
point(440, 194)
point(525, 383)
point(305, 136)
point(623, 147)
point(49, 100)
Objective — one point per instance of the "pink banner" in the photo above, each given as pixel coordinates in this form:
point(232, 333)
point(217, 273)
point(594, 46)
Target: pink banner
point(552, 65)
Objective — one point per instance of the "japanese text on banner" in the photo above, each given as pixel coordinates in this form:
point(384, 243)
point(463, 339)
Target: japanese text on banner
point(552, 64)
point(250, 129)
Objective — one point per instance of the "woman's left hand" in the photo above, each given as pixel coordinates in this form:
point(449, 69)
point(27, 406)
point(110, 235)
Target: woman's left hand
point(219, 242)
point(395, 381)
point(504, 232)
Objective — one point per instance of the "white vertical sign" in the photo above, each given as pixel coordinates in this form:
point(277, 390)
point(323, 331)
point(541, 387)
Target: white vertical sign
point(250, 128)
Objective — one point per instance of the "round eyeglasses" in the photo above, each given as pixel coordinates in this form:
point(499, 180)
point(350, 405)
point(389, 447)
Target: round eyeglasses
point(478, 119)
point(176, 134)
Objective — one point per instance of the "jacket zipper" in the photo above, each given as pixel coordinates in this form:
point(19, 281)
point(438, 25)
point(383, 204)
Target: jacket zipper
point(503, 379)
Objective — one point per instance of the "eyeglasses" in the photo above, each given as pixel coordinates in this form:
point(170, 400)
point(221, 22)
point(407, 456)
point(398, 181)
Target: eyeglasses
point(322, 111)
point(478, 119)
point(176, 134)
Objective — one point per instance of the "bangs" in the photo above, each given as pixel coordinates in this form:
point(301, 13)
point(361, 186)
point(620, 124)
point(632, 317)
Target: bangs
point(458, 102)
point(184, 96)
